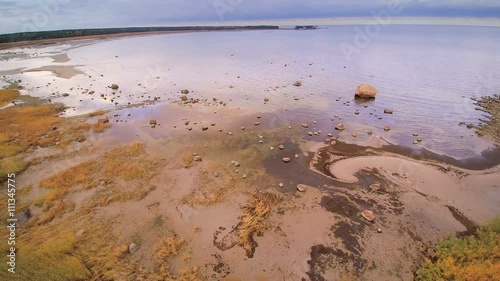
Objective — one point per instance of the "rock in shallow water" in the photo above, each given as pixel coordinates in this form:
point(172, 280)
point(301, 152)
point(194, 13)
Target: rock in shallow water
point(365, 91)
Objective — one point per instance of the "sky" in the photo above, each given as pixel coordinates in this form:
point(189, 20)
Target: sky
point(38, 15)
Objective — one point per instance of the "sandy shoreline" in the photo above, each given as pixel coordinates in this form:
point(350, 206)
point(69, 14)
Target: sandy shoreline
point(5, 46)
point(181, 184)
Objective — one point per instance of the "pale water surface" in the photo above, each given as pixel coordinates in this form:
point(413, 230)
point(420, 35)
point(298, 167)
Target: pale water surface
point(426, 74)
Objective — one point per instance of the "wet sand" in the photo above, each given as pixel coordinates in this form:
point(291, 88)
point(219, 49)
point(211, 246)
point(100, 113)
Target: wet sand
point(214, 176)
point(318, 234)
point(62, 71)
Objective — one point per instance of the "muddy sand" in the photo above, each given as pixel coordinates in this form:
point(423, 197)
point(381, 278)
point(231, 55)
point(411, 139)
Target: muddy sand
point(236, 210)
point(190, 189)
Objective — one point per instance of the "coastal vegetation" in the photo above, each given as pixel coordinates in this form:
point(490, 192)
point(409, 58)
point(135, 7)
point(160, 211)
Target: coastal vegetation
point(24, 126)
point(41, 35)
point(474, 257)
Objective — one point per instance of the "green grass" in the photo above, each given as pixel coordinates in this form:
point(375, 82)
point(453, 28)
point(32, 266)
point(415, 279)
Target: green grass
point(11, 165)
point(475, 257)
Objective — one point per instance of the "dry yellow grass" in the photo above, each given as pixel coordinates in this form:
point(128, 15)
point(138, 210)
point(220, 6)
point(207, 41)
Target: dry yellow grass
point(128, 165)
point(96, 113)
point(7, 96)
point(254, 220)
point(10, 165)
point(168, 247)
point(164, 250)
point(100, 127)
point(23, 127)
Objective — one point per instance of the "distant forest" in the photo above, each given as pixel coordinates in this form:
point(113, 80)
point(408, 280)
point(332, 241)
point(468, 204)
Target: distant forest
point(40, 35)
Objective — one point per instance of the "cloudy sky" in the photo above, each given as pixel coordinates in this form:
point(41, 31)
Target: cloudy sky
point(33, 15)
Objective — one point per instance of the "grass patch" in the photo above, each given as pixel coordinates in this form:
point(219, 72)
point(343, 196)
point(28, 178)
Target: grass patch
point(11, 165)
point(168, 247)
point(53, 259)
point(23, 127)
point(7, 96)
point(97, 113)
point(124, 166)
point(54, 252)
point(475, 257)
point(100, 127)
point(163, 251)
point(254, 221)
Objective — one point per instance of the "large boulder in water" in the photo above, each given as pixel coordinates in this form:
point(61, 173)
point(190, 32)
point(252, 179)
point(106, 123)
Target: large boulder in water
point(365, 91)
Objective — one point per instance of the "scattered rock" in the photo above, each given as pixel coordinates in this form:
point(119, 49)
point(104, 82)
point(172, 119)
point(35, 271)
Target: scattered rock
point(152, 122)
point(310, 133)
point(340, 127)
point(103, 119)
point(281, 147)
point(185, 92)
point(197, 158)
point(114, 87)
point(236, 164)
point(281, 184)
point(65, 94)
point(387, 128)
point(470, 126)
point(286, 159)
point(365, 91)
point(304, 125)
point(388, 111)
point(215, 174)
point(297, 156)
point(368, 215)
point(379, 230)
point(133, 247)
point(415, 134)
point(186, 123)
point(257, 123)
point(204, 128)
point(301, 187)
point(184, 98)
point(266, 99)
point(415, 142)
point(375, 187)
point(369, 133)
point(297, 84)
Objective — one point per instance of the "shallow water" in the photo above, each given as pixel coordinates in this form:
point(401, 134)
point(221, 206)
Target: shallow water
point(426, 74)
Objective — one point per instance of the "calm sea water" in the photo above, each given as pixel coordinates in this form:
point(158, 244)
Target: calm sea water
point(426, 74)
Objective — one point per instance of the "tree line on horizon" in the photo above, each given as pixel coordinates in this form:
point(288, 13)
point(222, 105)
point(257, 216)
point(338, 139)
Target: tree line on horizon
point(41, 35)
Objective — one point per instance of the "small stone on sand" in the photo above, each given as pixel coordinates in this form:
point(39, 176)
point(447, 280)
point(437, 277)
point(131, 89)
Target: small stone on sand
point(368, 215)
point(301, 187)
